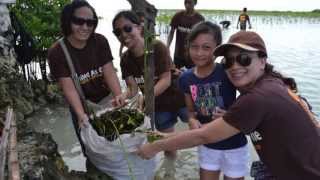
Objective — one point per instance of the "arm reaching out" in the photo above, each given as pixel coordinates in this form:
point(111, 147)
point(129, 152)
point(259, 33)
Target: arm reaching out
point(111, 79)
point(190, 138)
point(73, 98)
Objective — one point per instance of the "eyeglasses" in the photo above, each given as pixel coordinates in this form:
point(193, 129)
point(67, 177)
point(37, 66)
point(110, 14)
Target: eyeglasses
point(242, 59)
point(125, 28)
point(82, 21)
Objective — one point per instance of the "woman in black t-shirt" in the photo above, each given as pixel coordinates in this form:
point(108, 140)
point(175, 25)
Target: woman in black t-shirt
point(91, 57)
point(169, 101)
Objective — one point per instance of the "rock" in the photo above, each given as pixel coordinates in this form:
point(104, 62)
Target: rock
point(38, 86)
point(4, 95)
point(19, 116)
point(54, 94)
point(41, 100)
point(39, 159)
point(22, 105)
point(6, 48)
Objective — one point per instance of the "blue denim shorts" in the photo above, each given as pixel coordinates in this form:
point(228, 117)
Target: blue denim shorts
point(165, 120)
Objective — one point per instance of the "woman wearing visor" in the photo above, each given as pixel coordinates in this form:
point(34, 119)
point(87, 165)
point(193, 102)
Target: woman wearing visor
point(281, 129)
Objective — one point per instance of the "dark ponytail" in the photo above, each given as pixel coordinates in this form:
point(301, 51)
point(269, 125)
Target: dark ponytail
point(289, 81)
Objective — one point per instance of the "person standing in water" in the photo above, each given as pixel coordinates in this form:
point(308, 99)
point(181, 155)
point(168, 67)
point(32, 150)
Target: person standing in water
point(243, 20)
point(181, 23)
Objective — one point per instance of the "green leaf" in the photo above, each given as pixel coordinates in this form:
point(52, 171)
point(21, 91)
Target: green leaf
point(41, 19)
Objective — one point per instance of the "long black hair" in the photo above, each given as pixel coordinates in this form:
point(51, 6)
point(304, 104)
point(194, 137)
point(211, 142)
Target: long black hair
point(130, 15)
point(289, 81)
point(67, 14)
point(205, 27)
point(269, 70)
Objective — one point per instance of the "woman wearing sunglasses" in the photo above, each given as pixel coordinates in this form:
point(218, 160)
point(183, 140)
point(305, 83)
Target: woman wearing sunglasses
point(92, 61)
point(169, 102)
point(282, 131)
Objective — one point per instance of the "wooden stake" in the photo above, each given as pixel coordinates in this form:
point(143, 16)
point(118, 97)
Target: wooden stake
point(14, 171)
point(4, 142)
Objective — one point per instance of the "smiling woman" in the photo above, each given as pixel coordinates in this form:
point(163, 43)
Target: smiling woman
point(88, 53)
point(83, 23)
point(280, 128)
point(169, 102)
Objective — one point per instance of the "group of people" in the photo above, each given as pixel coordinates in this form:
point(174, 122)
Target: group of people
point(282, 130)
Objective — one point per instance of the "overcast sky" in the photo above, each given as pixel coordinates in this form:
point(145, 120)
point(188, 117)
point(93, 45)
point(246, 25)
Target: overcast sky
point(280, 5)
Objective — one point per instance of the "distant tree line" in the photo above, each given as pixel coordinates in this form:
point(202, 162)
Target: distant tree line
point(316, 11)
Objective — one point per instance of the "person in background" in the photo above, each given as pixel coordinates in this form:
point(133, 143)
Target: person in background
point(181, 23)
point(169, 101)
point(225, 24)
point(243, 20)
point(92, 59)
point(208, 94)
point(282, 131)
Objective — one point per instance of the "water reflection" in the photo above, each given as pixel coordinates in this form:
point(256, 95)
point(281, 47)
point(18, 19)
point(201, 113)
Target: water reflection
point(56, 120)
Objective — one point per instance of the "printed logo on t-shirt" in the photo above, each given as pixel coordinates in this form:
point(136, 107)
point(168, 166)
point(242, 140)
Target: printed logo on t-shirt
point(184, 29)
point(140, 81)
point(90, 75)
point(256, 138)
point(207, 97)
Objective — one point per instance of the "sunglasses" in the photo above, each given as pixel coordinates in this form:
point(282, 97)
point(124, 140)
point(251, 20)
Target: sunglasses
point(82, 21)
point(242, 59)
point(125, 28)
